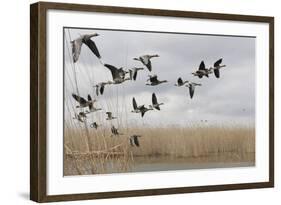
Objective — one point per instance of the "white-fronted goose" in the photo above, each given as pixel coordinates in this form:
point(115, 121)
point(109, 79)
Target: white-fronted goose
point(134, 140)
point(134, 72)
point(94, 125)
point(115, 131)
point(80, 117)
point(154, 80)
point(180, 82)
point(77, 44)
point(202, 71)
point(191, 87)
point(145, 59)
point(92, 108)
point(118, 74)
point(100, 87)
point(140, 109)
point(109, 116)
point(144, 109)
point(83, 102)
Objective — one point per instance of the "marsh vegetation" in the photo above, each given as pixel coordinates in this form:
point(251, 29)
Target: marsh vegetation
point(100, 153)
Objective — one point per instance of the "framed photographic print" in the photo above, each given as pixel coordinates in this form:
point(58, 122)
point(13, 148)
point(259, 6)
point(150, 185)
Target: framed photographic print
point(134, 102)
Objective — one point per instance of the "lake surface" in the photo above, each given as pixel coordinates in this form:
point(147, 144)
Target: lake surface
point(162, 166)
point(149, 164)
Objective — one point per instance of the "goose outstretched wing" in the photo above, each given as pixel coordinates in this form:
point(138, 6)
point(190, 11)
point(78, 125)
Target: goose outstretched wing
point(217, 73)
point(154, 99)
point(97, 90)
point(113, 70)
point(216, 68)
point(135, 73)
point(131, 72)
point(76, 48)
point(217, 63)
point(146, 61)
point(101, 89)
point(90, 104)
point(191, 90)
point(91, 44)
point(202, 66)
point(79, 99)
point(135, 106)
point(148, 65)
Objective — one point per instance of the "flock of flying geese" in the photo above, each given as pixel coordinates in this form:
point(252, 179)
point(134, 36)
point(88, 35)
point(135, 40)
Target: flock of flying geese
point(119, 75)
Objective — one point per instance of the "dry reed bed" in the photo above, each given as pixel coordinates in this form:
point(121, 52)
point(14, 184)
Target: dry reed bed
point(169, 141)
point(90, 151)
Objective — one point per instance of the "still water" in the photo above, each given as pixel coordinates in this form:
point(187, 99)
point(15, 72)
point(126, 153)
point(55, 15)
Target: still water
point(149, 164)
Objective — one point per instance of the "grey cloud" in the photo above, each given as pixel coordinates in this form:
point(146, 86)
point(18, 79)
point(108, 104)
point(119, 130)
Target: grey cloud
point(228, 99)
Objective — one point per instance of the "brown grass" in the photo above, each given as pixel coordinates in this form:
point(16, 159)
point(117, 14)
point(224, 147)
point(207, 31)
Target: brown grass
point(105, 152)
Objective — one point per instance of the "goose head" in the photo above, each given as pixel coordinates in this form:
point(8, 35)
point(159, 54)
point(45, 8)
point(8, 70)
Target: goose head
point(93, 35)
point(156, 55)
point(163, 81)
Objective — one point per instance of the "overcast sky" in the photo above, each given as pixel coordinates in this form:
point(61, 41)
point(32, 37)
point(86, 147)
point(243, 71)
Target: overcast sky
point(228, 100)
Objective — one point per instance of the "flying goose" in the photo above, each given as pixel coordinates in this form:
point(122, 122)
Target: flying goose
point(217, 67)
point(145, 59)
point(92, 109)
point(134, 72)
point(155, 104)
point(191, 87)
point(180, 82)
point(100, 87)
point(140, 109)
point(115, 131)
point(154, 81)
point(109, 116)
point(135, 106)
point(144, 109)
point(80, 117)
point(134, 140)
point(91, 105)
point(83, 102)
point(77, 44)
point(202, 71)
point(94, 125)
point(118, 74)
